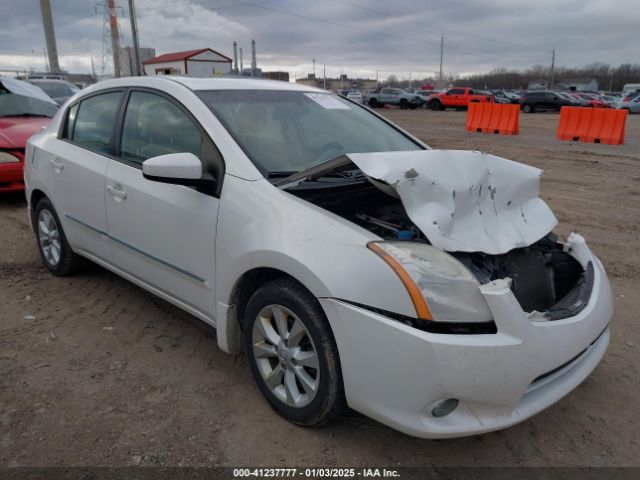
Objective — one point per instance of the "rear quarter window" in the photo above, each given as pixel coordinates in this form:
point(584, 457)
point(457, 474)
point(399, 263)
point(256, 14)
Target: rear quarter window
point(93, 121)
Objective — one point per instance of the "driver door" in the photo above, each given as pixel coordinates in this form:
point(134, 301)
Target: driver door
point(162, 234)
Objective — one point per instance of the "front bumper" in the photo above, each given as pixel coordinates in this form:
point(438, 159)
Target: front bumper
point(396, 374)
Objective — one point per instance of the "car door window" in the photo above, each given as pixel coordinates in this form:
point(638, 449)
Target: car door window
point(153, 125)
point(94, 121)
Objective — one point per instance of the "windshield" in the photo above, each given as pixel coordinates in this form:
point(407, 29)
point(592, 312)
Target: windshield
point(57, 89)
point(288, 131)
point(14, 105)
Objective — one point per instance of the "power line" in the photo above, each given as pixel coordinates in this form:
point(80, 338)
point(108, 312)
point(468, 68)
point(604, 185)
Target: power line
point(261, 5)
point(430, 26)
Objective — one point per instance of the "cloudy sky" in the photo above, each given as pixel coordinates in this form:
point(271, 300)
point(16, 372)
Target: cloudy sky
point(359, 37)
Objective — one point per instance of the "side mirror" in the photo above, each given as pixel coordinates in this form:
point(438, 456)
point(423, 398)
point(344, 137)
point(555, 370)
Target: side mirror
point(176, 168)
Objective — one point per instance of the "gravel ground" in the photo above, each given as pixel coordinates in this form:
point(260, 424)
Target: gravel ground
point(95, 371)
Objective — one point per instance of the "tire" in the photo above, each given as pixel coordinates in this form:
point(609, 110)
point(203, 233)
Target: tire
point(527, 108)
point(54, 248)
point(435, 105)
point(404, 104)
point(272, 356)
point(373, 103)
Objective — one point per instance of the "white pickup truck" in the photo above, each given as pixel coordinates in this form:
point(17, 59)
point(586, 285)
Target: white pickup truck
point(393, 96)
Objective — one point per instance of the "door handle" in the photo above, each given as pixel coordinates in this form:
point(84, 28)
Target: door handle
point(116, 191)
point(58, 166)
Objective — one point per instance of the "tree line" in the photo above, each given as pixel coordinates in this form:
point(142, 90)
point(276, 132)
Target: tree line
point(609, 78)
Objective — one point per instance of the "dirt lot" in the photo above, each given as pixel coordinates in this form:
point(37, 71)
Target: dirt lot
point(95, 371)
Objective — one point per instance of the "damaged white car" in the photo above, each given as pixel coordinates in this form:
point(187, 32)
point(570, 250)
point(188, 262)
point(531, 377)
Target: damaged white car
point(354, 265)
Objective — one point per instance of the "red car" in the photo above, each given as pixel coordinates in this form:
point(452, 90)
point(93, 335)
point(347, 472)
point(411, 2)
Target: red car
point(593, 100)
point(24, 110)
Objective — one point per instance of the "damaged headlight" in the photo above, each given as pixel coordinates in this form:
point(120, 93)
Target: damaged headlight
point(440, 287)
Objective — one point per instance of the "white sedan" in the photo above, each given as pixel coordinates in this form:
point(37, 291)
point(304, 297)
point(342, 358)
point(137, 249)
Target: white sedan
point(353, 264)
point(355, 96)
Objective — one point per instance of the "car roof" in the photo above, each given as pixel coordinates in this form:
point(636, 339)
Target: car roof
point(219, 83)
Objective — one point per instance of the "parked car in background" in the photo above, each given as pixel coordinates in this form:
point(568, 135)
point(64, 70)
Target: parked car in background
point(592, 100)
point(538, 101)
point(611, 100)
point(633, 105)
point(348, 279)
point(630, 88)
point(59, 90)
point(630, 96)
point(575, 100)
point(355, 96)
point(24, 110)
point(458, 97)
point(393, 96)
point(502, 96)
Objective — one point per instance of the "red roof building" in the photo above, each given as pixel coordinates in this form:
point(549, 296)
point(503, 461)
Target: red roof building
point(204, 62)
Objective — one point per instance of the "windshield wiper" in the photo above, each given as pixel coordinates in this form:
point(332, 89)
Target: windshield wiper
point(281, 173)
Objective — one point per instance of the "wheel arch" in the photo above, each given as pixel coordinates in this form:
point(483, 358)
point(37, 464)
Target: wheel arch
point(35, 196)
point(231, 307)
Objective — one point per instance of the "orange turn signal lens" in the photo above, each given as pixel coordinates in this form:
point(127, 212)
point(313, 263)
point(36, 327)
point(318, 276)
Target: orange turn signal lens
point(420, 304)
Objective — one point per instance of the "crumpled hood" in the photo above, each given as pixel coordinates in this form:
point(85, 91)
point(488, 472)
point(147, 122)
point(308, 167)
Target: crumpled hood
point(464, 200)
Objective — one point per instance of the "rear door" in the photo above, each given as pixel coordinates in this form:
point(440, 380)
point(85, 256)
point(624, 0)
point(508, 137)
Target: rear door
point(77, 163)
point(455, 97)
point(161, 233)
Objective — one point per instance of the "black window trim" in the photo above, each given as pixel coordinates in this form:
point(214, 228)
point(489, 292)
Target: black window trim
point(63, 124)
point(116, 131)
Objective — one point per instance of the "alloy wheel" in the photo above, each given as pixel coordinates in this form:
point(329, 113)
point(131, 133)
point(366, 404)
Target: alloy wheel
point(286, 356)
point(49, 237)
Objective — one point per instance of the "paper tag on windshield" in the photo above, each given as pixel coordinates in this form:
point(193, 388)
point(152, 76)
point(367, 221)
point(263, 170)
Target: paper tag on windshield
point(328, 101)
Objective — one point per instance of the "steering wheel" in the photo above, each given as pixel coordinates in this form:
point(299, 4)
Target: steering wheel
point(329, 150)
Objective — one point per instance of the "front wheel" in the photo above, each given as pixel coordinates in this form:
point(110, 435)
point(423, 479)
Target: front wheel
point(292, 353)
point(373, 103)
point(526, 108)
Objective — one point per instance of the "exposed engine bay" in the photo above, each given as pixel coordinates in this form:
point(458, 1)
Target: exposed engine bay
point(544, 278)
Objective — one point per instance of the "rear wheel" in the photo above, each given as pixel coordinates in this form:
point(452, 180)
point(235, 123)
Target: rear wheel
point(527, 108)
point(292, 353)
point(54, 249)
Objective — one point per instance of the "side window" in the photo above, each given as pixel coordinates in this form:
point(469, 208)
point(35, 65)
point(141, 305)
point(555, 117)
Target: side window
point(455, 91)
point(93, 121)
point(155, 126)
point(385, 91)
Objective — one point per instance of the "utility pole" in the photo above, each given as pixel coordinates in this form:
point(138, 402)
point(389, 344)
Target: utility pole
point(46, 60)
point(50, 36)
point(441, 55)
point(134, 37)
point(314, 67)
point(324, 74)
point(235, 58)
point(241, 63)
point(553, 65)
point(115, 38)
